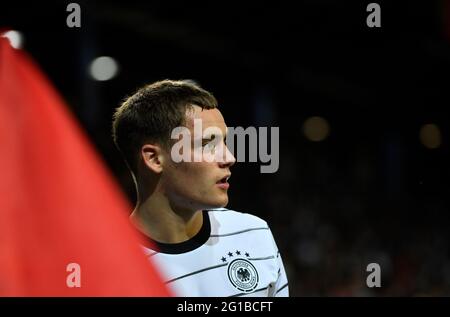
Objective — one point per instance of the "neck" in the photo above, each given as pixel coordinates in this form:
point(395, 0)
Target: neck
point(162, 222)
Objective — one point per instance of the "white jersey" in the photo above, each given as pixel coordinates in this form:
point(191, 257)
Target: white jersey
point(233, 254)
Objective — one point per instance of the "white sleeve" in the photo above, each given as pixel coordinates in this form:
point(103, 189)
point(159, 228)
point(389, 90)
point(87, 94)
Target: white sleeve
point(281, 286)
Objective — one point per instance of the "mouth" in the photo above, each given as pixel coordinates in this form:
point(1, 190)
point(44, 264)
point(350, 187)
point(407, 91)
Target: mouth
point(223, 182)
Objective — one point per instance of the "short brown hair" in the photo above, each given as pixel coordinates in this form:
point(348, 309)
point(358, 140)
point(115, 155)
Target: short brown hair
point(150, 115)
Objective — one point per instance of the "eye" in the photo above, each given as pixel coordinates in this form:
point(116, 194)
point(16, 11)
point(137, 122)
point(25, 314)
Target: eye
point(205, 142)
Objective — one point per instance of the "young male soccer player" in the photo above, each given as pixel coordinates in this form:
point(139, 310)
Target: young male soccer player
point(202, 248)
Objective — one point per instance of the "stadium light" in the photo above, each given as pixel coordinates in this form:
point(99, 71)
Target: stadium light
point(316, 129)
point(15, 37)
point(103, 68)
point(430, 136)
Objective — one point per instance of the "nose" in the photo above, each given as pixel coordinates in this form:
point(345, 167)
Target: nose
point(228, 160)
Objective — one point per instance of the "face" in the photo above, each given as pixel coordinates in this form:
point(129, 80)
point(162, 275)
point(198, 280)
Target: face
point(202, 181)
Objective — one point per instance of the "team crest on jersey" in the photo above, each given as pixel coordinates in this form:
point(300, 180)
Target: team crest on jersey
point(241, 272)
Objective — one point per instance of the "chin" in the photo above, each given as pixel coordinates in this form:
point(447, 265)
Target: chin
point(217, 203)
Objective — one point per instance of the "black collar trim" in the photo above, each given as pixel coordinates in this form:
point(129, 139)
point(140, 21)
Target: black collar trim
point(189, 245)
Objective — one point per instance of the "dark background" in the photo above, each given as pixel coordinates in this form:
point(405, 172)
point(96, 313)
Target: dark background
point(369, 192)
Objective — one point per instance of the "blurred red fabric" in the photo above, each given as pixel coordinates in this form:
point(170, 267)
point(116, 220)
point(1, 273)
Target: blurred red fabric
point(58, 202)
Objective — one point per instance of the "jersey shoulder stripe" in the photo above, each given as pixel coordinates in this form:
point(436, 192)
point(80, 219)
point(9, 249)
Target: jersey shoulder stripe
point(233, 222)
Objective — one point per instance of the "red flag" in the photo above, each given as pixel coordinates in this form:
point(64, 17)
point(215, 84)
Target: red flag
point(58, 203)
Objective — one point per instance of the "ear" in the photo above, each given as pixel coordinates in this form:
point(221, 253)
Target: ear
point(152, 157)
